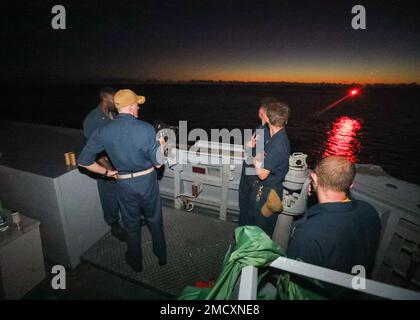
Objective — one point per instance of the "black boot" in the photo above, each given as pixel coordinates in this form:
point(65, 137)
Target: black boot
point(162, 259)
point(162, 262)
point(135, 263)
point(118, 232)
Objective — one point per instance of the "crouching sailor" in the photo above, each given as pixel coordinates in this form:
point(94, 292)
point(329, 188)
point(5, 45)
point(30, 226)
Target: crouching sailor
point(132, 147)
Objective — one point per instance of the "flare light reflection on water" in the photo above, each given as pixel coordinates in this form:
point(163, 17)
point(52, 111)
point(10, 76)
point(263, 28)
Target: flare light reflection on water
point(344, 139)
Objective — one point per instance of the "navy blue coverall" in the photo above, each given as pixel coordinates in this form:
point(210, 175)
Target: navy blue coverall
point(276, 160)
point(246, 185)
point(132, 147)
point(107, 188)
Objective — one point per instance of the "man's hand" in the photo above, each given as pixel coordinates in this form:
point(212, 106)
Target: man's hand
point(97, 168)
point(162, 141)
point(104, 162)
point(261, 172)
point(253, 142)
point(310, 187)
point(112, 174)
point(162, 145)
point(257, 163)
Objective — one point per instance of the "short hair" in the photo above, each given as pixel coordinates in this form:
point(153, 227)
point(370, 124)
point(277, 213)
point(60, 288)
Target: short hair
point(335, 173)
point(266, 101)
point(278, 113)
point(106, 90)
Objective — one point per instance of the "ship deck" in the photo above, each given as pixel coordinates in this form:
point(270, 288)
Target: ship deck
point(196, 244)
point(197, 241)
point(31, 157)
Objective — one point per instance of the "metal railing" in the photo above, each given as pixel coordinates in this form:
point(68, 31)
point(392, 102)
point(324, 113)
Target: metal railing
point(249, 280)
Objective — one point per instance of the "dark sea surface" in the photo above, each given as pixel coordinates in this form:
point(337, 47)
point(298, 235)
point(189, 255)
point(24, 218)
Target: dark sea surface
point(379, 126)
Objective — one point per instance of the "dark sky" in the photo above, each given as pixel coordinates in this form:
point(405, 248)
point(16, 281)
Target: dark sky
point(305, 41)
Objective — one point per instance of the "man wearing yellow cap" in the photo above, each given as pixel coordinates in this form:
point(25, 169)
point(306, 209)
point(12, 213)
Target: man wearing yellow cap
point(135, 153)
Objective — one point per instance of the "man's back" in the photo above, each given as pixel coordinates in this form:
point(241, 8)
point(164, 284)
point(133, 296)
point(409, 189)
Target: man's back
point(130, 143)
point(337, 236)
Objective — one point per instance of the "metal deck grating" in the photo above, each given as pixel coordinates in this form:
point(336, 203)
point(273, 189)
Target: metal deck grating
point(196, 247)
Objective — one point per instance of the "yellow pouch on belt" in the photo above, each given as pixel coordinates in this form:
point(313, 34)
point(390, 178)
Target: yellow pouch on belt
point(272, 205)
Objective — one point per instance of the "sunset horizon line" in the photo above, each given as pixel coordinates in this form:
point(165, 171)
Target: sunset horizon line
point(64, 79)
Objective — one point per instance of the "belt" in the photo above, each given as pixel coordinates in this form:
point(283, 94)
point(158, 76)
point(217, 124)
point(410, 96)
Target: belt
point(135, 174)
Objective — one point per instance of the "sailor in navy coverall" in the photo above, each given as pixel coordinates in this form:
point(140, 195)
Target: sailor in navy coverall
point(134, 151)
point(247, 180)
point(103, 114)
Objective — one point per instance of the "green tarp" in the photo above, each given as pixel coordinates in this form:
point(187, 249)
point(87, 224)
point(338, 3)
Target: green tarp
point(253, 248)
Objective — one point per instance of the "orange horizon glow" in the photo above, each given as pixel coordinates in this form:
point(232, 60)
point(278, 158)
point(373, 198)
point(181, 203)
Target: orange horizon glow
point(298, 79)
point(304, 73)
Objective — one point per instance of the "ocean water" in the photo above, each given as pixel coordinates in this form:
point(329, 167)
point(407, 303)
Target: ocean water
point(380, 126)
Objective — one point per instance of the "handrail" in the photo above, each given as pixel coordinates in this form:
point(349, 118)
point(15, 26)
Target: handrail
point(248, 285)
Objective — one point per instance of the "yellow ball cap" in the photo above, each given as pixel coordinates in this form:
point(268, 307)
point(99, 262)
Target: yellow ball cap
point(126, 97)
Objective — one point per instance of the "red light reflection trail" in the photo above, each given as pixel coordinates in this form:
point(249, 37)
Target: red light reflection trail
point(343, 139)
